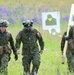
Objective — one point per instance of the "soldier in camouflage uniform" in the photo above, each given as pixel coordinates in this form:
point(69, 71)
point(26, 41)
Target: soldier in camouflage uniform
point(5, 50)
point(70, 48)
point(30, 50)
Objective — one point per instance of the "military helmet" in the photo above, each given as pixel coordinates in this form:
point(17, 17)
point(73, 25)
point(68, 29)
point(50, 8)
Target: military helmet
point(27, 23)
point(4, 23)
point(49, 16)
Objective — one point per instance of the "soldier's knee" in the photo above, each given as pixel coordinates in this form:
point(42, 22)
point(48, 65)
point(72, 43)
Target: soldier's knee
point(37, 63)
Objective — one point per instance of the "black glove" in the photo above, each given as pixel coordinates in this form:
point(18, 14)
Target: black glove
point(9, 58)
point(16, 57)
point(66, 37)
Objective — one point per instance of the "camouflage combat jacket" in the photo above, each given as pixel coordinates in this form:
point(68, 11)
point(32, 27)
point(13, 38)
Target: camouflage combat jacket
point(29, 40)
point(70, 40)
point(6, 40)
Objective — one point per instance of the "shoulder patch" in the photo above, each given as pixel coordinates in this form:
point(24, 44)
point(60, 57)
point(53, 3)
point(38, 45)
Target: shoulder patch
point(39, 34)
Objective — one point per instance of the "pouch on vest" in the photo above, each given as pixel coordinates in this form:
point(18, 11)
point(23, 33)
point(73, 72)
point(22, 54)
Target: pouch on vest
point(1, 50)
point(71, 43)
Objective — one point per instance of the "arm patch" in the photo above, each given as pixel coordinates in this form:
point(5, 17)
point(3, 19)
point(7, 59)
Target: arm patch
point(38, 34)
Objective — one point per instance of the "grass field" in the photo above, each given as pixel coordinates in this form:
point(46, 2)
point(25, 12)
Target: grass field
point(50, 60)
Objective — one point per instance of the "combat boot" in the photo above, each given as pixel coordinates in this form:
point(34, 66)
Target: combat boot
point(34, 73)
point(28, 73)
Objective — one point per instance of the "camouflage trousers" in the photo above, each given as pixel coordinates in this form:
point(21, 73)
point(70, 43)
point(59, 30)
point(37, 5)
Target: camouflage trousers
point(4, 64)
point(70, 60)
point(26, 62)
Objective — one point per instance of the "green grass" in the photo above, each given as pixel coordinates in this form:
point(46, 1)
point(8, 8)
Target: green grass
point(51, 59)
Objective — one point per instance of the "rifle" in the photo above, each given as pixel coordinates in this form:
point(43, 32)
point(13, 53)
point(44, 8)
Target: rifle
point(65, 47)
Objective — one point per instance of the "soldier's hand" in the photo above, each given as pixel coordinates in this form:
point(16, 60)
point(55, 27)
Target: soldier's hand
point(16, 57)
point(66, 37)
point(41, 51)
point(18, 51)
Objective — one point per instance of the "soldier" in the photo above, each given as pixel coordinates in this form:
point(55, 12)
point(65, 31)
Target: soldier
point(6, 44)
point(30, 50)
point(70, 48)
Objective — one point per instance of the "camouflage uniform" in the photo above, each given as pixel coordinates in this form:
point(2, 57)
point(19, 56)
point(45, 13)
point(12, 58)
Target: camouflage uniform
point(70, 48)
point(5, 50)
point(30, 50)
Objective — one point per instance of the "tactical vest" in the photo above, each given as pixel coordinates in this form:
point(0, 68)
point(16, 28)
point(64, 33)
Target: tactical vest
point(71, 44)
point(4, 47)
point(29, 38)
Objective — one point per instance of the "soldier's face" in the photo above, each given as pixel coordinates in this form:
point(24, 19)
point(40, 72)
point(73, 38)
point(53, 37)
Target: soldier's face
point(3, 29)
point(27, 28)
